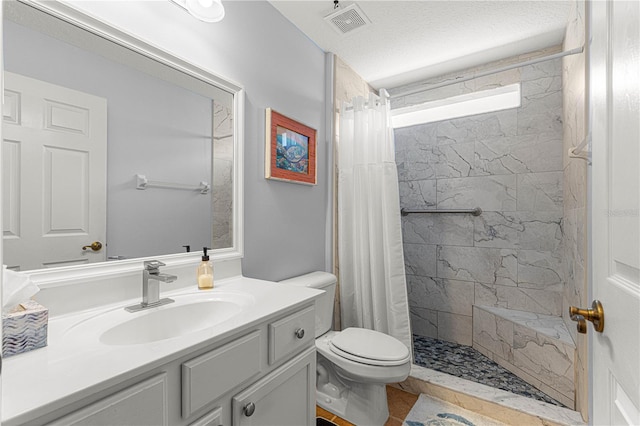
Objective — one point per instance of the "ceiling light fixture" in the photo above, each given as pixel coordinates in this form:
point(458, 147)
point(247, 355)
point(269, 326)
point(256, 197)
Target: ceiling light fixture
point(458, 106)
point(204, 10)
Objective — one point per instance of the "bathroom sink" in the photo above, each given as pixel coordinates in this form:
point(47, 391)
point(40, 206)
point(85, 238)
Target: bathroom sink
point(170, 321)
point(189, 313)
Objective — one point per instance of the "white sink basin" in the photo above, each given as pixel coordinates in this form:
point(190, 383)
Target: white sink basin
point(189, 313)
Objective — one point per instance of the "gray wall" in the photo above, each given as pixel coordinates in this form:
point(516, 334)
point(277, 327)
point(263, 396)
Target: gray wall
point(508, 163)
point(280, 68)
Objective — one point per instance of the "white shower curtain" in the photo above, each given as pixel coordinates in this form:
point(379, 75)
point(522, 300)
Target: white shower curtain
point(373, 292)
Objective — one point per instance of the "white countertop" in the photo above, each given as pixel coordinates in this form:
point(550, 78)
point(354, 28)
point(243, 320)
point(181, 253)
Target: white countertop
point(74, 362)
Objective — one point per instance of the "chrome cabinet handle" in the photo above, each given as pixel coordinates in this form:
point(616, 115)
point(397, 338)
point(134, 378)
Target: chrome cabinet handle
point(249, 409)
point(300, 333)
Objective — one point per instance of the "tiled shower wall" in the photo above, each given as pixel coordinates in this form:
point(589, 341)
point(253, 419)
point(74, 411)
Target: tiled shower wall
point(508, 163)
point(222, 191)
point(575, 199)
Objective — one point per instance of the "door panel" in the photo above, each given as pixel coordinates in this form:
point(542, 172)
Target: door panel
point(54, 171)
point(615, 94)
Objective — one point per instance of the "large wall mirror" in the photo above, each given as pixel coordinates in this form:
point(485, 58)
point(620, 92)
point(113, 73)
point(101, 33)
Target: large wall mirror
point(113, 150)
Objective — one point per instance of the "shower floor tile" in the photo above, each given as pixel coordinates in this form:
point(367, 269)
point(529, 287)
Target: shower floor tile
point(467, 363)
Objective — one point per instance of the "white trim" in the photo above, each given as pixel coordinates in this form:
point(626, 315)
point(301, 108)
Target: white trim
point(59, 276)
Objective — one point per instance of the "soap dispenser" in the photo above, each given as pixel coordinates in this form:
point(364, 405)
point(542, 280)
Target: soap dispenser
point(205, 272)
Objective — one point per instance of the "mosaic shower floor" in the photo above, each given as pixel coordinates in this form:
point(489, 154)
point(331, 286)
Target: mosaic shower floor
point(467, 363)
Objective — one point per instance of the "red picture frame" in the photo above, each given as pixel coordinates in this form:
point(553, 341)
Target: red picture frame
point(290, 150)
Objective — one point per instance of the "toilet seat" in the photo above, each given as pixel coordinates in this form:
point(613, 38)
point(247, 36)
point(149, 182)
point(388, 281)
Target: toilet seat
point(369, 347)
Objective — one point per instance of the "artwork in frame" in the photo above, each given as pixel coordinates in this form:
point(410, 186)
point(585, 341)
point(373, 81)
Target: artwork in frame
point(290, 151)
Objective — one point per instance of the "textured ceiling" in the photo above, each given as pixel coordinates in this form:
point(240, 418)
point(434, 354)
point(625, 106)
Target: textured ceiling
point(409, 41)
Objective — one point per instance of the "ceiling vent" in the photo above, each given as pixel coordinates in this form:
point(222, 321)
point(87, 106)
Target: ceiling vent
point(347, 19)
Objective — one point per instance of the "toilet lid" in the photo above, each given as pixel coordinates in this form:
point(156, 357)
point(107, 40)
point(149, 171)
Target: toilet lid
point(370, 347)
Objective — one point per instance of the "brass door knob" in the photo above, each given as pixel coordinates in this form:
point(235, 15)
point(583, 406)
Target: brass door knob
point(95, 246)
point(595, 315)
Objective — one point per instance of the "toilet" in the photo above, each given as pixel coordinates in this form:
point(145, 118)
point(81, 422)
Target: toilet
point(353, 365)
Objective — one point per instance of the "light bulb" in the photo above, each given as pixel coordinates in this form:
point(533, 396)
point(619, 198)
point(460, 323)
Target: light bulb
point(206, 10)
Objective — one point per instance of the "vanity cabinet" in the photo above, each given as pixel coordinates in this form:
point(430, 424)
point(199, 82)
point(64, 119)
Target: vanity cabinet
point(237, 381)
point(262, 402)
point(143, 404)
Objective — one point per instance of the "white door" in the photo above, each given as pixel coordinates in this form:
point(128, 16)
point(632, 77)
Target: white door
point(54, 158)
point(615, 94)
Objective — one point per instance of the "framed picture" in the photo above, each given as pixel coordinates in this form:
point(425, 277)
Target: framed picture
point(290, 151)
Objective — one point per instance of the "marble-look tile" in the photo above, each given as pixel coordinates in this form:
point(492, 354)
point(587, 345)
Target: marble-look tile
point(432, 161)
point(436, 94)
point(541, 70)
point(575, 185)
point(407, 138)
point(492, 332)
point(437, 228)
point(442, 295)
point(500, 79)
point(497, 230)
point(454, 160)
point(417, 194)
point(539, 102)
point(540, 231)
point(550, 326)
point(485, 265)
point(424, 322)
point(539, 270)
point(541, 85)
point(527, 230)
point(498, 404)
point(518, 154)
point(490, 193)
point(544, 122)
point(549, 360)
point(540, 191)
point(477, 127)
point(522, 299)
point(348, 82)
point(420, 259)
point(455, 328)
point(222, 121)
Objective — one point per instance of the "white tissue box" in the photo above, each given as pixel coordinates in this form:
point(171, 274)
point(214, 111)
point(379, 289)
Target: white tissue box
point(24, 328)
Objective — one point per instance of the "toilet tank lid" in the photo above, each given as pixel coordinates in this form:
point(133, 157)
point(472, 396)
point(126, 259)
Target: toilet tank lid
point(316, 279)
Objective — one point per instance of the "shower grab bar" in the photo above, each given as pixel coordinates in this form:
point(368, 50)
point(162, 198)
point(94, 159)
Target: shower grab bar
point(476, 212)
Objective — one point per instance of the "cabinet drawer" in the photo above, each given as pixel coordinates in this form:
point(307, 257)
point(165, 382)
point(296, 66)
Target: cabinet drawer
point(291, 333)
point(144, 403)
point(207, 377)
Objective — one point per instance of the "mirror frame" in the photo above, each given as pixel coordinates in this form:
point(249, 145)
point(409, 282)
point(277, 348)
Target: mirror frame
point(65, 274)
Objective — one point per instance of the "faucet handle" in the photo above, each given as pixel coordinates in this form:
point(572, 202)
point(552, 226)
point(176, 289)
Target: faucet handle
point(152, 265)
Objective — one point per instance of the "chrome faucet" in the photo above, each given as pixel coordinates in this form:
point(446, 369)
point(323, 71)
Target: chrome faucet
point(151, 278)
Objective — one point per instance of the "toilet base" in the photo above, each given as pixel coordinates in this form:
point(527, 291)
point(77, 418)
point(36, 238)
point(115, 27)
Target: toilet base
point(360, 404)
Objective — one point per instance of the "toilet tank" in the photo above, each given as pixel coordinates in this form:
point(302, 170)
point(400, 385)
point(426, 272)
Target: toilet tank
point(324, 304)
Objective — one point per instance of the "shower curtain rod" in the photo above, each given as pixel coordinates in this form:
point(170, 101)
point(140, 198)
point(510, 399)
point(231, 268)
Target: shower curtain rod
point(490, 72)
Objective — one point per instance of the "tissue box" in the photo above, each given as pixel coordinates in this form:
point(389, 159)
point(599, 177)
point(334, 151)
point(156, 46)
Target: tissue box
point(24, 328)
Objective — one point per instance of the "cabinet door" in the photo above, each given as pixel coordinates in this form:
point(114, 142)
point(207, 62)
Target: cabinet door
point(144, 403)
point(285, 397)
point(214, 418)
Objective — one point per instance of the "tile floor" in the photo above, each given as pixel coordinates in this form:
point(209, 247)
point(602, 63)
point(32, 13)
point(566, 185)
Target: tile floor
point(400, 403)
point(467, 363)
